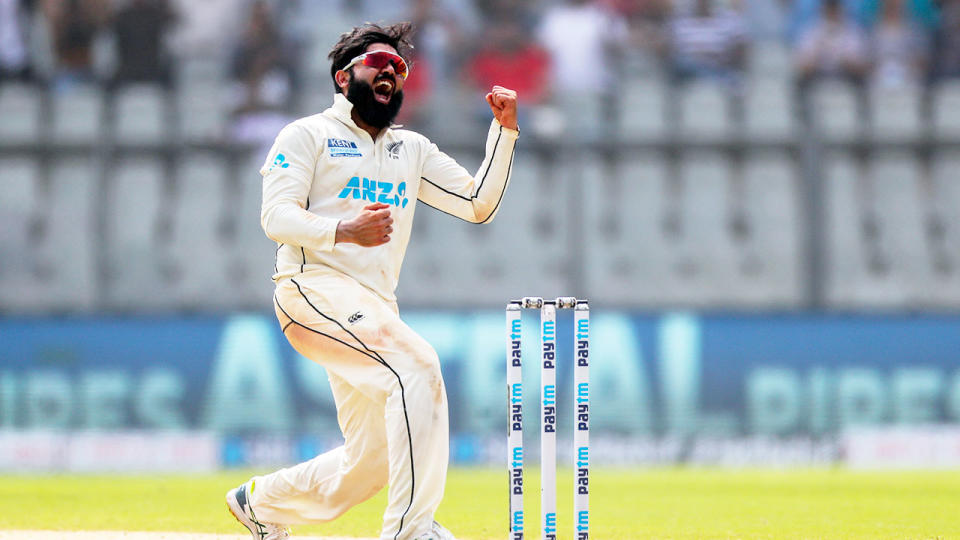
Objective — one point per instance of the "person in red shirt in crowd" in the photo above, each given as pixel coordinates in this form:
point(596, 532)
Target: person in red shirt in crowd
point(509, 56)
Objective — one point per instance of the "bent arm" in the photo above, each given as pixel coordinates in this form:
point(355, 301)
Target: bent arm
point(448, 187)
point(287, 178)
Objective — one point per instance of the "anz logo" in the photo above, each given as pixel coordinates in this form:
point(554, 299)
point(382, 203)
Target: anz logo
point(375, 191)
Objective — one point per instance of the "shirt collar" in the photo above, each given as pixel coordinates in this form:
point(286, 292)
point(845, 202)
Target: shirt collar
point(342, 108)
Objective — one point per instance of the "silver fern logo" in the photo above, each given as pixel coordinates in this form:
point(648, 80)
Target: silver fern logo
point(393, 149)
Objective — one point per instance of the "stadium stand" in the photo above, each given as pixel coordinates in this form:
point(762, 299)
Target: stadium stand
point(20, 108)
point(770, 253)
point(704, 111)
point(895, 112)
point(835, 110)
point(769, 113)
point(624, 214)
point(137, 201)
point(141, 115)
point(19, 177)
point(945, 114)
point(77, 115)
point(197, 235)
point(66, 252)
point(645, 98)
point(650, 194)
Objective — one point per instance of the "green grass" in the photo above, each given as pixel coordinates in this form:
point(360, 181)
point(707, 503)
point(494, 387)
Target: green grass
point(625, 504)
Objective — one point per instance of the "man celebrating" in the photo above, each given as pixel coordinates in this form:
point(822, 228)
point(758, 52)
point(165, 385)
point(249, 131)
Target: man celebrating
point(339, 193)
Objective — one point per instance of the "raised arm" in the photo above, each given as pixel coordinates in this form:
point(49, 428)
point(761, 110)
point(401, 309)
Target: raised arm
point(447, 186)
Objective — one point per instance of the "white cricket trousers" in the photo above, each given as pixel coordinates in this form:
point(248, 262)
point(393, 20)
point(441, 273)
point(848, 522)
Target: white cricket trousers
point(391, 407)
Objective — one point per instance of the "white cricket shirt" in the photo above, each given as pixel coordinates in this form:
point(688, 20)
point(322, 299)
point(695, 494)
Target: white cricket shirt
point(323, 169)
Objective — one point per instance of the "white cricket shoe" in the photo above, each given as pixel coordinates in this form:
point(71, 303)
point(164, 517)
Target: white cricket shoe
point(437, 532)
point(238, 502)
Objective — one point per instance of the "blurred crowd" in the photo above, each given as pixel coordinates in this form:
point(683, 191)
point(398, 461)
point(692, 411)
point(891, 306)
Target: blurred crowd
point(696, 106)
point(272, 49)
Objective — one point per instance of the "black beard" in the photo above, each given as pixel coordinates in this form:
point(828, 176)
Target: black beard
point(372, 112)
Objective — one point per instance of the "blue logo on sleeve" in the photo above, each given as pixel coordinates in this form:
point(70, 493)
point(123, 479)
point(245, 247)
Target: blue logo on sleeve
point(342, 148)
point(375, 191)
point(279, 161)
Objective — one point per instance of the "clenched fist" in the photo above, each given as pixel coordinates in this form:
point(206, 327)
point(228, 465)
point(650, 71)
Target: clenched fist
point(372, 227)
point(503, 103)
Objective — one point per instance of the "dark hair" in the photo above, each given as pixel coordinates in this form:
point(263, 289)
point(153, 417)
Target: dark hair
point(355, 42)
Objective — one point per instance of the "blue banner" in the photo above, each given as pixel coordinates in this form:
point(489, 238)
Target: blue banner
point(671, 374)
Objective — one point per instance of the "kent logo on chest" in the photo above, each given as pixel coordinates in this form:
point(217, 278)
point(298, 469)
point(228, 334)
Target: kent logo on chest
point(375, 191)
point(342, 148)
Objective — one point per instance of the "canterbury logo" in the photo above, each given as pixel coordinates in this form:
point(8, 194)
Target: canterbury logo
point(353, 319)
